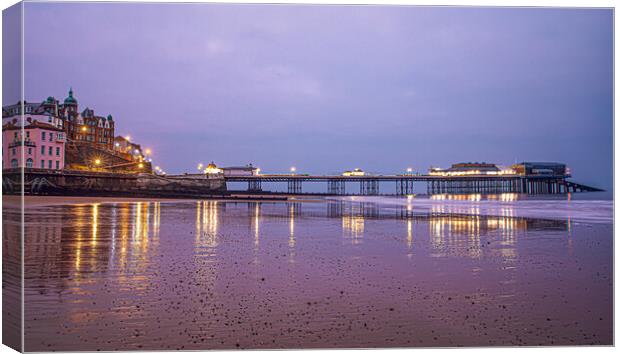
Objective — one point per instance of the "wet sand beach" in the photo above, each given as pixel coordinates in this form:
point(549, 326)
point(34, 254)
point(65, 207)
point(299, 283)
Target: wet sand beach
point(336, 274)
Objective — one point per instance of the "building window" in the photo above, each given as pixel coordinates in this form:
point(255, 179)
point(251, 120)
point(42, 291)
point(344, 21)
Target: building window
point(15, 135)
point(43, 136)
point(59, 136)
point(58, 165)
point(14, 163)
point(42, 149)
point(42, 163)
point(29, 151)
point(49, 119)
point(51, 136)
point(29, 163)
point(49, 164)
point(50, 150)
point(28, 135)
point(57, 151)
point(14, 151)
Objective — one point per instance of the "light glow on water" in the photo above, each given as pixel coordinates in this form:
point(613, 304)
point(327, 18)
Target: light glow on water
point(507, 204)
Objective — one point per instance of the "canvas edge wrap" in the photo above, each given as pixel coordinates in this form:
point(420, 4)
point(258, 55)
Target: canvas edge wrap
point(12, 243)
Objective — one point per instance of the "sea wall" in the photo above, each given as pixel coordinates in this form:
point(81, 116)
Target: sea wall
point(67, 182)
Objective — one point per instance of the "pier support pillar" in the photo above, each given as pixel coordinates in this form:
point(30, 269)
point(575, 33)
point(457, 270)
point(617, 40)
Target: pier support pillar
point(294, 186)
point(369, 187)
point(335, 186)
point(404, 186)
point(254, 186)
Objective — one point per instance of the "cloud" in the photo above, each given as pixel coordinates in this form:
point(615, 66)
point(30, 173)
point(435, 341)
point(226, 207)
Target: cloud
point(284, 81)
point(218, 46)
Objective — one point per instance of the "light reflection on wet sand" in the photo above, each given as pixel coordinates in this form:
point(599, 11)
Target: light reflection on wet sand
point(214, 274)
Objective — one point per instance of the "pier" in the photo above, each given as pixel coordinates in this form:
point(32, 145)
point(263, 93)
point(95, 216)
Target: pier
point(404, 184)
point(68, 182)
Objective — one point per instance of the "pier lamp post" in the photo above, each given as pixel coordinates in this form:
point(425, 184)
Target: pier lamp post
point(409, 170)
point(293, 169)
point(147, 151)
point(140, 165)
point(128, 137)
point(83, 128)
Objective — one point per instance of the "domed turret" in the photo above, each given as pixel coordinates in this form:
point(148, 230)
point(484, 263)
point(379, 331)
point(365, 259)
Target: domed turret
point(71, 99)
point(110, 117)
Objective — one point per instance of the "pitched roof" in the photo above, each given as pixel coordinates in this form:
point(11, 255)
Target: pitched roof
point(37, 124)
point(34, 125)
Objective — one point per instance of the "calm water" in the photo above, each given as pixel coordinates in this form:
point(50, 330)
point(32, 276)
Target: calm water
point(353, 272)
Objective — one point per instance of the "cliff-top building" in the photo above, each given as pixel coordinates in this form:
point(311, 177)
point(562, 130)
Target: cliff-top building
point(84, 127)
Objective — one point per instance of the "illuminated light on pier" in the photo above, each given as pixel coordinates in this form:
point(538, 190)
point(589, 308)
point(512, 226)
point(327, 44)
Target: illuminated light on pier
point(212, 169)
point(357, 172)
point(471, 173)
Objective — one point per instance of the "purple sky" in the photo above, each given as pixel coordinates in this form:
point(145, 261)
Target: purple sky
point(328, 88)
